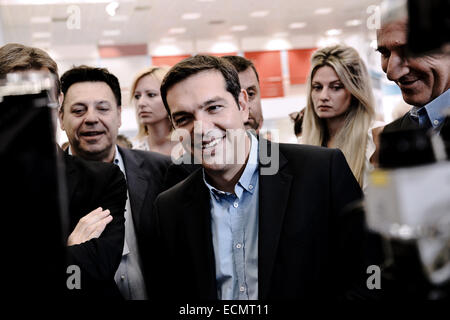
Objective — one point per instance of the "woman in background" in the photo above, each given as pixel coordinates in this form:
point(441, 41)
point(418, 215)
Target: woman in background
point(340, 107)
point(153, 121)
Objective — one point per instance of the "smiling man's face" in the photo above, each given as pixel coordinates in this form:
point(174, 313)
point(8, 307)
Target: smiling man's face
point(211, 119)
point(91, 119)
point(420, 78)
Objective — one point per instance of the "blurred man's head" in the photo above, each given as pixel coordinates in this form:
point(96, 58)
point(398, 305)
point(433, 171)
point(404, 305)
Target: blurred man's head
point(420, 78)
point(91, 112)
point(16, 57)
point(249, 80)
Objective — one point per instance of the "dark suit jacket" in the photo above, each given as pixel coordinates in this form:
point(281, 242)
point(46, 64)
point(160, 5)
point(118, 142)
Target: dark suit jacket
point(145, 173)
point(92, 184)
point(309, 244)
point(402, 123)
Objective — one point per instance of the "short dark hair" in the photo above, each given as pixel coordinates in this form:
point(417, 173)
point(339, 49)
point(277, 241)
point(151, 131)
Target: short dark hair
point(193, 65)
point(241, 64)
point(90, 74)
point(17, 57)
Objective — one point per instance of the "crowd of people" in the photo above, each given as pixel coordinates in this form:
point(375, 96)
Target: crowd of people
point(217, 224)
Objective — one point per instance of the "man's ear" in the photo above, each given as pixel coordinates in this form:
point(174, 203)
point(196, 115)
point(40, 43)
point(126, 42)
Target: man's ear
point(243, 104)
point(61, 98)
point(119, 110)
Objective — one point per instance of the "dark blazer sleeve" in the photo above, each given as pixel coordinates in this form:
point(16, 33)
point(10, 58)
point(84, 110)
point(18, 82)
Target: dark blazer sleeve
point(100, 185)
point(355, 245)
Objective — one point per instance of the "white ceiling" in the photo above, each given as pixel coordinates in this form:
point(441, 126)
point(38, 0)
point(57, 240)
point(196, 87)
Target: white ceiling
point(149, 21)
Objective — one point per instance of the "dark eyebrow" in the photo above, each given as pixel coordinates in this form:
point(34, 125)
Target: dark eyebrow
point(179, 113)
point(251, 88)
point(331, 82)
point(211, 101)
point(203, 105)
point(78, 103)
point(381, 48)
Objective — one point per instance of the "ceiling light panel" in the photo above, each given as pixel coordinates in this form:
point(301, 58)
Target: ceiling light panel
point(191, 16)
point(259, 14)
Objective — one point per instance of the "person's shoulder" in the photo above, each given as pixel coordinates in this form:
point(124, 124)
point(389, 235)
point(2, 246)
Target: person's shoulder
point(147, 156)
point(294, 149)
point(94, 167)
point(403, 122)
point(185, 187)
point(96, 174)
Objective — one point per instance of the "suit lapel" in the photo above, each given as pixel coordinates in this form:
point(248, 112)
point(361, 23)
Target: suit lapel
point(197, 219)
point(137, 182)
point(274, 193)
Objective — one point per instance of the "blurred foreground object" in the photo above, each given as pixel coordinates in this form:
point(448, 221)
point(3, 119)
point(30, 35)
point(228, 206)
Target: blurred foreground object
point(33, 208)
point(408, 203)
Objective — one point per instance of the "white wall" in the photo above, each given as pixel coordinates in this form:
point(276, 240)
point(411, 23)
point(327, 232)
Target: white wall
point(2, 40)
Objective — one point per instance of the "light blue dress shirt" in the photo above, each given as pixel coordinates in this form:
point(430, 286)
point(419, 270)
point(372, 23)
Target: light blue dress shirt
point(234, 225)
point(432, 114)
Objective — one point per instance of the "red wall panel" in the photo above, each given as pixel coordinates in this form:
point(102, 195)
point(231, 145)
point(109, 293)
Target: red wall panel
point(222, 54)
point(268, 65)
point(299, 65)
point(122, 50)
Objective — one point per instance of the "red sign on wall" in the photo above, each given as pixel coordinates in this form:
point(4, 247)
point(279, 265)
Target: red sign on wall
point(122, 50)
point(268, 65)
point(299, 65)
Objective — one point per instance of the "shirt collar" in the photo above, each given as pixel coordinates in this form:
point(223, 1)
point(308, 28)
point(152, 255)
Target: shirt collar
point(433, 111)
point(246, 180)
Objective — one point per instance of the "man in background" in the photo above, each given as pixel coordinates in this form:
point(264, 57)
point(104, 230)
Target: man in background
point(91, 116)
point(424, 80)
point(249, 80)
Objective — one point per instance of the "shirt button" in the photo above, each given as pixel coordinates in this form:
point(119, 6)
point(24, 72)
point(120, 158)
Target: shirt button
point(238, 246)
point(436, 122)
point(250, 187)
point(235, 205)
point(241, 289)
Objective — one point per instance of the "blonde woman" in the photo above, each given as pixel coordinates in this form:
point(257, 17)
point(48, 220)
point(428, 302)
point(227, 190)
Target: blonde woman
point(153, 121)
point(340, 107)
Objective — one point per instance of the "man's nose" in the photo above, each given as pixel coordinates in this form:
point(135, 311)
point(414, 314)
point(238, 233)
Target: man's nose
point(202, 125)
point(91, 116)
point(396, 67)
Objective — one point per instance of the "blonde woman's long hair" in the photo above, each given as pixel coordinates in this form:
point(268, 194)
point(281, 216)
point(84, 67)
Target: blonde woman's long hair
point(352, 138)
point(158, 73)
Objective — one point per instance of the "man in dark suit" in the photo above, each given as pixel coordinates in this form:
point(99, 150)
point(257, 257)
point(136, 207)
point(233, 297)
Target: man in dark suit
point(93, 194)
point(270, 221)
point(91, 116)
point(423, 79)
